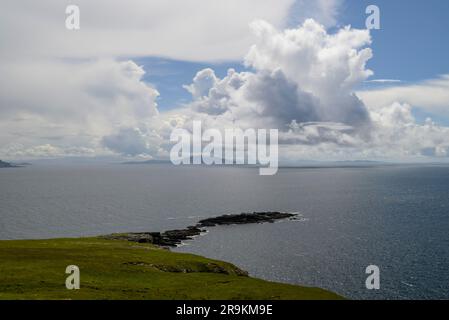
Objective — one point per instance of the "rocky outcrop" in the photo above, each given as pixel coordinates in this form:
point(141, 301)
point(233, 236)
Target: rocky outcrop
point(173, 238)
point(245, 218)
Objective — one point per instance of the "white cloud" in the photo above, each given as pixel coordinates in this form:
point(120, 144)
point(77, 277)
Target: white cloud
point(302, 75)
point(71, 104)
point(19, 151)
point(383, 81)
point(395, 135)
point(128, 141)
point(303, 84)
point(64, 93)
point(398, 134)
point(202, 83)
point(323, 11)
point(430, 95)
point(200, 30)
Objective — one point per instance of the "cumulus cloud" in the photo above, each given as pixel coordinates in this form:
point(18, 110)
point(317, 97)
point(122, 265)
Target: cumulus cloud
point(150, 139)
point(300, 80)
point(302, 75)
point(65, 92)
point(71, 104)
point(316, 133)
point(303, 83)
point(202, 83)
point(127, 141)
point(395, 135)
point(399, 135)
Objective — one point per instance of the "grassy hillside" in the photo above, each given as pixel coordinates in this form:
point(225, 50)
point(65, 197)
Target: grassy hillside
point(116, 269)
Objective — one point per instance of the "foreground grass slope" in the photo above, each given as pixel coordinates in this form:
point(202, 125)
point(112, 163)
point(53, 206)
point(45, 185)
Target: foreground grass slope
point(116, 269)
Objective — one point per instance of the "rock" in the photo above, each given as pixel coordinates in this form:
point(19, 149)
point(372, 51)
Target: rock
point(173, 238)
point(170, 238)
point(142, 237)
point(245, 218)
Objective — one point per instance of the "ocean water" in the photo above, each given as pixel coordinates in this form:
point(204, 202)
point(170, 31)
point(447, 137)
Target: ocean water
point(395, 217)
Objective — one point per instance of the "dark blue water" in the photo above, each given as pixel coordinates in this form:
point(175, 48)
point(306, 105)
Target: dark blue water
point(395, 217)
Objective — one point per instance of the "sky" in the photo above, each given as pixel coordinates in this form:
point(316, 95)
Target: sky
point(404, 24)
point(133, 72)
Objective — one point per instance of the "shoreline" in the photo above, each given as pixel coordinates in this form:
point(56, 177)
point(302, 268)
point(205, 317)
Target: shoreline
point(175, 238)
point(120, 267)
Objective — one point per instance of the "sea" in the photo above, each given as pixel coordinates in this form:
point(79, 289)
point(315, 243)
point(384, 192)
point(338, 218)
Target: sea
point(395, 217)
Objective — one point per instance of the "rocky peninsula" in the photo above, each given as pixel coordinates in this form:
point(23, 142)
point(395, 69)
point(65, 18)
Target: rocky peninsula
point(138, 266)
point(173, 238)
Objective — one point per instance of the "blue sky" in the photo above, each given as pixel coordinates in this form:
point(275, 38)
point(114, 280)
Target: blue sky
point(409, 47)
point(168, 77)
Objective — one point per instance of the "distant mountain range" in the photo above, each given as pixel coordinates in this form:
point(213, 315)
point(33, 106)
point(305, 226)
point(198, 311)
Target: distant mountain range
point(148, 162)
point(293, 164)
point(169, 162)
point(4, 164)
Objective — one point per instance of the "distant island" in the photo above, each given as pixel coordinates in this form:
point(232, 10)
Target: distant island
point(4, 164)
point(282, 164)
point(148, 162)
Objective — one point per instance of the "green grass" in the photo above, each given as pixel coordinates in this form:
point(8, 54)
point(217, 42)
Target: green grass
point(115, 269)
